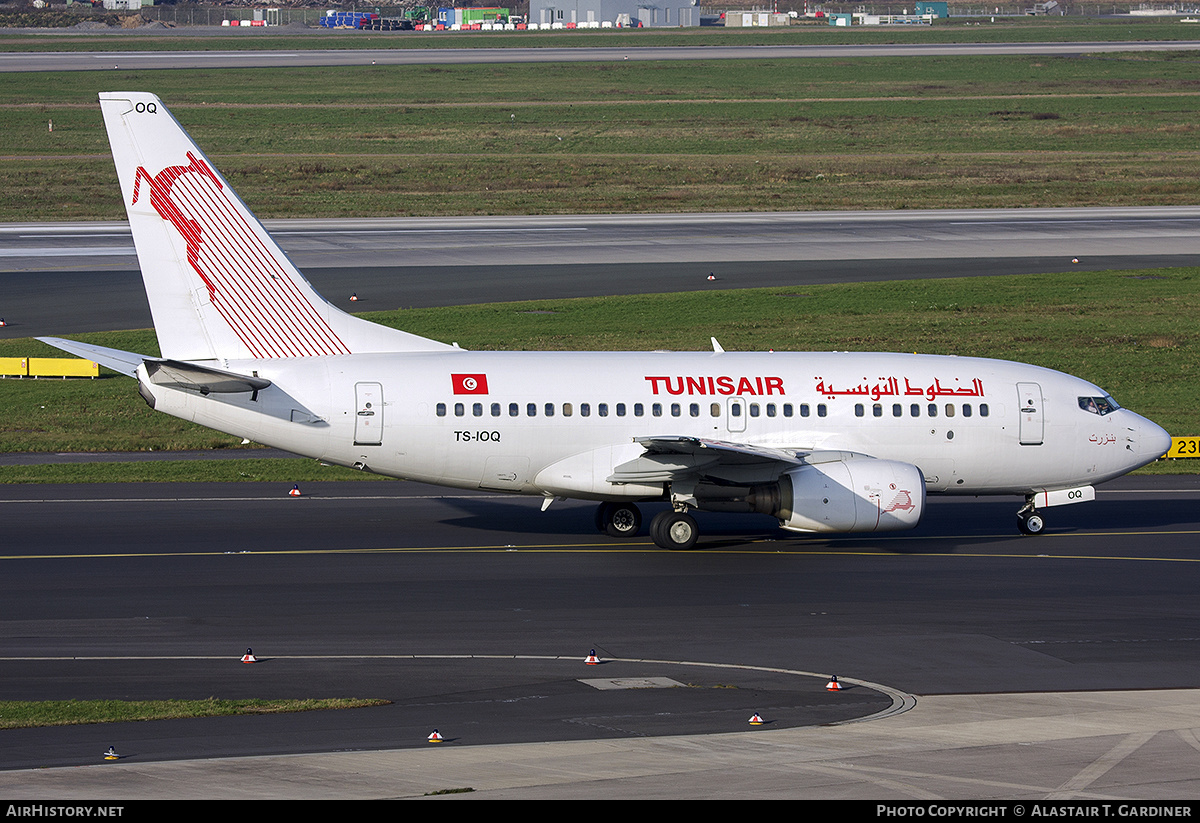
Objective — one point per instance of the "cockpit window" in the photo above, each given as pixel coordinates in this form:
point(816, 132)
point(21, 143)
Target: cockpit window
point(1098, 405)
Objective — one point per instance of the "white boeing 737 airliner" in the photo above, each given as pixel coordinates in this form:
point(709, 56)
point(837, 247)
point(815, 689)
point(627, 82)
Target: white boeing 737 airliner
point(824, 442)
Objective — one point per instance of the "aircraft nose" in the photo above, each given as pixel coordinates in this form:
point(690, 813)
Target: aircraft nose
point(1147, 440)
point(1154, 439)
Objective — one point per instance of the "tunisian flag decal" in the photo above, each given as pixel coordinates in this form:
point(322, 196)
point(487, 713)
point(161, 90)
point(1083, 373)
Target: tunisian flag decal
point(469, 383)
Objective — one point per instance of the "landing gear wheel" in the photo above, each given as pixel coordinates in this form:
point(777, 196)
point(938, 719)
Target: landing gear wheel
point(674, 530)
point(602, 517)
point(622, 520)
point(618, 519)
point(1030, 523)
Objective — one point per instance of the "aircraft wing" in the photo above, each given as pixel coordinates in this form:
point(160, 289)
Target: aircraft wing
point(677, 458)
point(724, 451)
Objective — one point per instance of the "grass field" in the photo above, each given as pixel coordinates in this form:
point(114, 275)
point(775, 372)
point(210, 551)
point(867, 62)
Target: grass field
point(16, 714)
point(1131, 332)
point(762, 135)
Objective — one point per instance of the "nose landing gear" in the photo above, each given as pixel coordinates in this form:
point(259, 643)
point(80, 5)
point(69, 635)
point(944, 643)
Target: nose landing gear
point(1029, 520)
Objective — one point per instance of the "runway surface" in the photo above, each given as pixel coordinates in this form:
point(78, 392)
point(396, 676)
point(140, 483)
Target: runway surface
point(407, 263)
point(111, 61)
point(472, 613)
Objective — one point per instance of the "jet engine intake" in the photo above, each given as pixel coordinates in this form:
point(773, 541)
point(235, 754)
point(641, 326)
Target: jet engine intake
point(856, 495)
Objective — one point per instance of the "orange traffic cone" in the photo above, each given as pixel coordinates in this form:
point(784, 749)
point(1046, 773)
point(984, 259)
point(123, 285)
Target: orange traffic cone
point(756, 720)
point(249, 657)
point(833, 685)
point(712, 276)
point(435, 737)
point(592, 660)
point(295, 492)
point(354, 297)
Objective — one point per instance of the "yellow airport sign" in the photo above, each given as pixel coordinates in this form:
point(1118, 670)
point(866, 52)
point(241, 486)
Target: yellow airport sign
point(47, 367)
point(1184, 447)
point(14, 366)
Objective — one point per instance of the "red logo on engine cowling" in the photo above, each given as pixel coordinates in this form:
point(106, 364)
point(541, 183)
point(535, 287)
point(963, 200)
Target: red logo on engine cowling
point(902, 501)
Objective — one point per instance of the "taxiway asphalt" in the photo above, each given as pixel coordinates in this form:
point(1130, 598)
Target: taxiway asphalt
point(472, 613)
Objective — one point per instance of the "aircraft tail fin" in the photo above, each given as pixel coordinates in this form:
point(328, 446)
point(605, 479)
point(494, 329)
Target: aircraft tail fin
point(219, 285)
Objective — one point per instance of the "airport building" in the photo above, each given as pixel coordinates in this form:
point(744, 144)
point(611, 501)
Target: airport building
point(605, 13)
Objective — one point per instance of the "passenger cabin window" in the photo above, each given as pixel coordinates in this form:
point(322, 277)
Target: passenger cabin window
point(441, 409)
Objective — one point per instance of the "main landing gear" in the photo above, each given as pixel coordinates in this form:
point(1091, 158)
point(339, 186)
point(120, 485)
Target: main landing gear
point(674, 530)
point(618, 519)
point(1029, 521)
point(669, 529)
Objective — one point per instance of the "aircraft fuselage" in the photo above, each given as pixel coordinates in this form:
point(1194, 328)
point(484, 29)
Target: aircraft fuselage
point(556, 423)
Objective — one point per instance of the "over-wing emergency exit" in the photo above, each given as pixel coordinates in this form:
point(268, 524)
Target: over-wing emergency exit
point(823, 442)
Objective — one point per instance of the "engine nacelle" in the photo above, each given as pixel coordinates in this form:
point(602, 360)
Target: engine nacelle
point(856, 495)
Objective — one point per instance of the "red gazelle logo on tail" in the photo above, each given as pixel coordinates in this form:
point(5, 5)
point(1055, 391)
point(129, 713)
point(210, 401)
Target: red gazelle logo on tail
point(248, 284)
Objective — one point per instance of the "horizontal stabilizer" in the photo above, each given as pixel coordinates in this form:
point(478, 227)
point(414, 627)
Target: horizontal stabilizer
point(201, 378)
point(172, 373)
point(124, 362)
